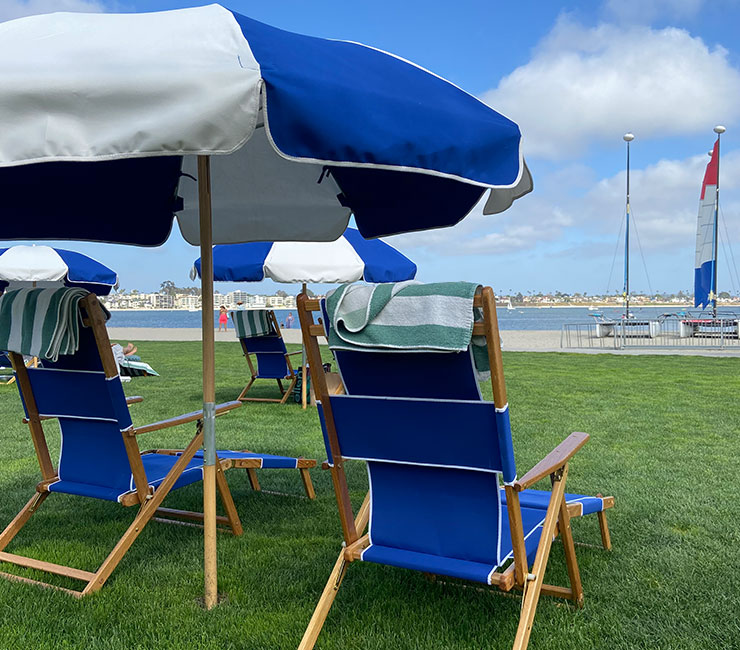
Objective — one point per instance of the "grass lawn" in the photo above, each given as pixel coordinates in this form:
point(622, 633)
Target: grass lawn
point(664, 442)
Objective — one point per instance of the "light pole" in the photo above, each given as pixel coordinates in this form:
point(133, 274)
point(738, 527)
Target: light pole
point(627, 137)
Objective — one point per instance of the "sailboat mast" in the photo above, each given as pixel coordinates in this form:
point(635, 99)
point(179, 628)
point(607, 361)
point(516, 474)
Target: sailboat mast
point(628, 137)
point(719, 130)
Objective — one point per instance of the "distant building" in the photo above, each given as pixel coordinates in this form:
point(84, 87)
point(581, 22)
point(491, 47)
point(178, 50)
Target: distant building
point(187, 301)
point(233, 298)
point(276, 302)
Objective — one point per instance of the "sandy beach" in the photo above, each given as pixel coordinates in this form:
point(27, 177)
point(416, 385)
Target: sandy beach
point(513, 341)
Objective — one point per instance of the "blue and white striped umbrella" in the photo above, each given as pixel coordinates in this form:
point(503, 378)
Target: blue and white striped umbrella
point(347, 259)
point(22, 265)
point(105, 112)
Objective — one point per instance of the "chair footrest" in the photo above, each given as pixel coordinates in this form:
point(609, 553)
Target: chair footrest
point(578, 504)
point(251, 460)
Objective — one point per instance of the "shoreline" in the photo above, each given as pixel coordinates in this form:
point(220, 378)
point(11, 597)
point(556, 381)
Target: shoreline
point(498, 307)
point(513, 341)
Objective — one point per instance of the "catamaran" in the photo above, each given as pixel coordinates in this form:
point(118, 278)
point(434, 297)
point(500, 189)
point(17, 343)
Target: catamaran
point(705, 265)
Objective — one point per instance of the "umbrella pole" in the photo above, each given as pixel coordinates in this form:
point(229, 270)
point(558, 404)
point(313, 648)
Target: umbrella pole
point(210, 568)
point(303, 364)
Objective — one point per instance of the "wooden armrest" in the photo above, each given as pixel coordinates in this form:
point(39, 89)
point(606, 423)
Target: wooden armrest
point(553, 461)
point(184, 419)
point(134, 399)
point(290, 354)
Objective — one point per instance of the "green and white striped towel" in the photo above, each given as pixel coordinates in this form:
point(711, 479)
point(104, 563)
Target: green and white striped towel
point(130, 368)
point(408, 316)
point(251, 322)
point(42, 323)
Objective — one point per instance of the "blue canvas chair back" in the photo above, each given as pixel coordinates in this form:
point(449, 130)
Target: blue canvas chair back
point(434, 468)
point(436, 456)
point(269, 350)
point(92, 412)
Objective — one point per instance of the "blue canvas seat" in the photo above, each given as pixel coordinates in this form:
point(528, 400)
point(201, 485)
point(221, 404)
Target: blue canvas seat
point(100, 456)
point(259, 335)
point(439, 461)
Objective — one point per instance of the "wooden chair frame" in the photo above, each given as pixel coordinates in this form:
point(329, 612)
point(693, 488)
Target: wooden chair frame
point(292, 377)
point(251, 465)
point(148, 500)
point(517, 574)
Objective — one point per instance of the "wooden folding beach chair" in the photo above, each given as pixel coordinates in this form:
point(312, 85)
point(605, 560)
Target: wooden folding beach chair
point(430, 375)
point(259, 334)
point(435, 503)
point(100, 456)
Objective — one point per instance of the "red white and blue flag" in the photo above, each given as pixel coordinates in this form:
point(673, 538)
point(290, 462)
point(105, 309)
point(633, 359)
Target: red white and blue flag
point(706, 258)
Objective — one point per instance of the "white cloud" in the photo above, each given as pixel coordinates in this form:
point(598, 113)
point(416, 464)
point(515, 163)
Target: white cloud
point(645, 11)
point(10, 9)
point(527, 224)
point(664, 199)
point(591, 84)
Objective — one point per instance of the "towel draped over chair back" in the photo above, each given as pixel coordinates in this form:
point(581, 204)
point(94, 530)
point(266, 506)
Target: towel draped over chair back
point(43, 323)
point(252, 322)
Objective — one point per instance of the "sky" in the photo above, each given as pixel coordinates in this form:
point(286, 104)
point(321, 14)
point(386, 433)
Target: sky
point(575, 76)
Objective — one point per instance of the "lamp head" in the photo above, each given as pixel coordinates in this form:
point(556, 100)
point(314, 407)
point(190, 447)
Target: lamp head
point(628, 137)
point(719, 129)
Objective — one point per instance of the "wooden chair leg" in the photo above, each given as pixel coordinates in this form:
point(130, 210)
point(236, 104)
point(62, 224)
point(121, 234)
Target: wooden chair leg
point(606, 539)
point(304, 385)
point(146, 512)
point(571, 561)
point(535, 579)
point(246, 388)
point(363, 515)
point(228, 501)
point(14, 527)
point(253, 480)
point(289, 390)
point(332, 585)
point(307, 484)
point(324, 605)
point(280, 386)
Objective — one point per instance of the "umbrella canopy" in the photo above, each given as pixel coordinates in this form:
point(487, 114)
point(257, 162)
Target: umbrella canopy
point(347, 259)
point(103, 110)
point(26, 264)
point(104, 116)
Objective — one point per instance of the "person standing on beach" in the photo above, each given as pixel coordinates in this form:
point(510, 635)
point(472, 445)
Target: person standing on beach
point(223, 319)
point(289, 320)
